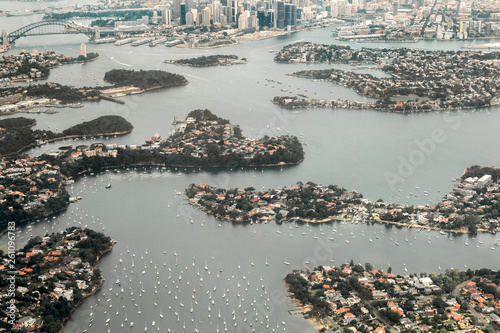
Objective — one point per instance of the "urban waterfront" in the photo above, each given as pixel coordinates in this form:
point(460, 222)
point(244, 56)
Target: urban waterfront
point(351, 148)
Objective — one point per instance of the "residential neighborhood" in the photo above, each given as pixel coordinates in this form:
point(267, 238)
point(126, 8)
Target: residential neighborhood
point(30, 188)
point(420, 80)
point(357, 298)
point(471, 207)
point(53, 274)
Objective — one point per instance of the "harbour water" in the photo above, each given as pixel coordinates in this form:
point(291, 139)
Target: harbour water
point(157, 230)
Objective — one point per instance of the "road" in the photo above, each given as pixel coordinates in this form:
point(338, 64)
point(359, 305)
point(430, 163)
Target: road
point(476, 314)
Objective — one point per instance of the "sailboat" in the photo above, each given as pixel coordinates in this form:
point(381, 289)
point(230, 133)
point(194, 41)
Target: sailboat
point(267, 264)
point(286, 262)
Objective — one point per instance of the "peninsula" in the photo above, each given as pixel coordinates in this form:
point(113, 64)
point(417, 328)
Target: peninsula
point(16, 135)
point(125, 82)
point(35, 66)
point(52, 275)
point(421, 80)
point(211, 60)
point(470, 208)
point(31, 188)
point(356, 298)
point(201, 140)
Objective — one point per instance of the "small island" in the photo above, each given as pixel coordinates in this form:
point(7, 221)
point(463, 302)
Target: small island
point(420, 80)
point(470, 208)
point(144, 80)
point(16, 135)
point(357, 298)
point(211, 60)
point(50, 277)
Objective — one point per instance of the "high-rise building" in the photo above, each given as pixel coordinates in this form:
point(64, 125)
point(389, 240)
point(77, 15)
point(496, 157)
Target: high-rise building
point(216, 11)
point(270, 18)
point(334, 8)
point(288, 14)
point(280, 15)
point(5, 38)
point(341, 4)
point(177, 9)
point(183, 13)
point(395, 8)
point(205, 17)
point(189, 18)
point(293, 20)
point(261, 16)
point(243, 20)
point(253, 21)
point(166, 16)
point(233, 10)
point(83, 50)
point(348, 10)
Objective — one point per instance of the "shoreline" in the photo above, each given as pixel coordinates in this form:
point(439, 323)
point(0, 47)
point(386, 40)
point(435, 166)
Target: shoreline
point(94, 290)
point(332, 219)
point(338, 219)
point(314, 320)
point(64, 138)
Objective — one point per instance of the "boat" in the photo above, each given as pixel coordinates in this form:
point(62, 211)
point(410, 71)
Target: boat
point(20, 13)
point(154, 139)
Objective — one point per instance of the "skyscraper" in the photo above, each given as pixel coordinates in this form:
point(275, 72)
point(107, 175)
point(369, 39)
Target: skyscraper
point(183, 14)
point(280, 16)
point(233, 10)
point(5, 38)
point(83, 50)
point(177, 9)
point(205, 17)
point(261, 16)
point(166, 16)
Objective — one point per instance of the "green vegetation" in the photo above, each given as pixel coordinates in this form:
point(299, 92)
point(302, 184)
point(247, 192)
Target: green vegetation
point(17, 123)
point(51, 300)
point(211, 60)
point(479, 171)
point(144, 79)
point(18, 136)
point(100, 126)
point(66, 94)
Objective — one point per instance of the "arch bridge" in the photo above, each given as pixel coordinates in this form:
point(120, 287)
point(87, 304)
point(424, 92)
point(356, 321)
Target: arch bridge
point(53, 27)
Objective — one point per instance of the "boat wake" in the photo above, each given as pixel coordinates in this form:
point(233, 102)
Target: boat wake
point(120, 63)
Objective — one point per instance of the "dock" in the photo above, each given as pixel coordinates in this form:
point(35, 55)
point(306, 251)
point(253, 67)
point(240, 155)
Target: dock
point(112, 99)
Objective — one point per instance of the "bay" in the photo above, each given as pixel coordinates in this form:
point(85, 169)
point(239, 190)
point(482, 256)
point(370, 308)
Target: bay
point(355, 149)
